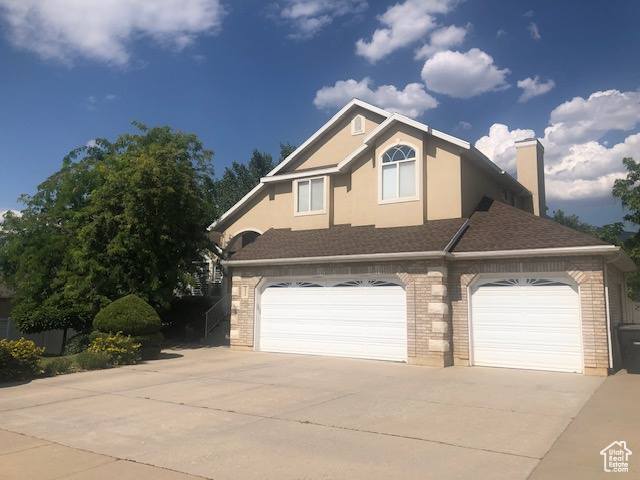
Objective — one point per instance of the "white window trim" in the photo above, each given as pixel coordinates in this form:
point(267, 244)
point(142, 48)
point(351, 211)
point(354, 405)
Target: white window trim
point(415, 197)
point(325, 183)
point(354, 131)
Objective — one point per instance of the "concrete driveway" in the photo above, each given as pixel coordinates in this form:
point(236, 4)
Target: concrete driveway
point(223, 414)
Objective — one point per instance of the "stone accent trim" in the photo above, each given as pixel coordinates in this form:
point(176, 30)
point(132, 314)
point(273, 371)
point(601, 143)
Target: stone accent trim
point(438, 303)
point(587, 272)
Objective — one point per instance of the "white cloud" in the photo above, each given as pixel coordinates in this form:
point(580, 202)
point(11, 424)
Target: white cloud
point(403, 24)
point(501, 33)
point(63, 30)
point(443, 39)
point(577, 164)
point(533, 31)
point(580, 120)
point(462, 125)
point(4, 212)
point(308, 17)
point(499, 145)
point(412, 101)
point(528, 14)
point(533, 87)
point(463, 75)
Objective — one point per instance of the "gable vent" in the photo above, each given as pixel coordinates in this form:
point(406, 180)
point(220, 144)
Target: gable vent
point(357, 125)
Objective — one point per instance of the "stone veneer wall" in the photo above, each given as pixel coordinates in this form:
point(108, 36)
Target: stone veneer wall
point(437, 302)
point(587, 272)
point(429, 329)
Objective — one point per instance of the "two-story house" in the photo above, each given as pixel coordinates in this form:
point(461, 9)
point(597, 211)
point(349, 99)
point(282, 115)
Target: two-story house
point(382, 238)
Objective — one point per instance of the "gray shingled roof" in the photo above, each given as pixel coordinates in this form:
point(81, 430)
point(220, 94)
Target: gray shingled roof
point(493, 226)
point(348, 240)
point(497, 226)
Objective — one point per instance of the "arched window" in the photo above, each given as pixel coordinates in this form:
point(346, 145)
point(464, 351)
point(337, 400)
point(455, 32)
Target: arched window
point(398, 173)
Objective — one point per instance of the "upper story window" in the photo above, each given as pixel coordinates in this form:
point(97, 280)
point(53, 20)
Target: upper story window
point(399, 176)
point(357, 125)
point(310, 196)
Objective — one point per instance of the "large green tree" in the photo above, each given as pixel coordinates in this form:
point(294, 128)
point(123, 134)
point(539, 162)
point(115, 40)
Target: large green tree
point(240, 179)
point(628, 191)
point(118, 218)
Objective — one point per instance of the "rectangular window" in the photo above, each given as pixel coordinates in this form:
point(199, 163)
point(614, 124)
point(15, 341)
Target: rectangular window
point(389, 182)
point(407, 180)
point(399, 180)
point(310, 195)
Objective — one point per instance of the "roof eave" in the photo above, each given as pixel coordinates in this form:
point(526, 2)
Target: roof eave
point(379, 257)
point(616, 254)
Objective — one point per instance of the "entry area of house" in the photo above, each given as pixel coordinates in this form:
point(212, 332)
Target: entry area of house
point(339, 317)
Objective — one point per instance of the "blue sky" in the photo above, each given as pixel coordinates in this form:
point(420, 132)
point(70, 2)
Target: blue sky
point(248, 74)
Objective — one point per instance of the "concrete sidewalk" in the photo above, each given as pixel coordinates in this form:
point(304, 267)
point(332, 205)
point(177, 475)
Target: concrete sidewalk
point(612, 414)
point(28, 458)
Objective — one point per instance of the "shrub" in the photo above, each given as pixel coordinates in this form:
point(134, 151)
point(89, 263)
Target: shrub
point(76, 344)
point(130, 315)
point(88, 360)
point(150, 345)
point(122, 350)
point(19, 359)
point(58, 366)
point(97, 334)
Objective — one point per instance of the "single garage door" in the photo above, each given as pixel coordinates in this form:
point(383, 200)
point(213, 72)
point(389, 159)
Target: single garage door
point(352, 318)
point(527, 322)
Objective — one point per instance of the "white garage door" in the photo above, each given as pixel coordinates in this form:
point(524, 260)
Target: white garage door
point(359, 318)
point(531, 323)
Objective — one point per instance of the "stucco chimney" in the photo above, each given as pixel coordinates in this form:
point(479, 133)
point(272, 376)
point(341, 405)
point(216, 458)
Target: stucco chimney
point(530, 171)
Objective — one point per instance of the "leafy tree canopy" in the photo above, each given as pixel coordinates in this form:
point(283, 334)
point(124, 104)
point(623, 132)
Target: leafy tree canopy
point(240, 179)
point(118, 218)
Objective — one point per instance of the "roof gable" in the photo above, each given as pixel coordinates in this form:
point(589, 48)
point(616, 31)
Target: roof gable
point(339, 117)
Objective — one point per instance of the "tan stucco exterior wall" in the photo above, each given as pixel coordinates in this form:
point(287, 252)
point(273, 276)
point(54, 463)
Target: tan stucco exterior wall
point(448, 186)
point(337, 143)
point(476, 184)
point(444, 186)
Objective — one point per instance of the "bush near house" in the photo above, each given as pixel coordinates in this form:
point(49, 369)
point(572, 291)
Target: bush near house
point(19, 359)
point(132, 316)
point(122, 349)
point(57, 366)
point(93, 360)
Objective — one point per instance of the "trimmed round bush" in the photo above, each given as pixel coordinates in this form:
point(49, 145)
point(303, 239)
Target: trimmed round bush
point(150, 345)
point(130, 315)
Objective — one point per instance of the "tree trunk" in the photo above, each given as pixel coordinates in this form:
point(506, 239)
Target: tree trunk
point(64, 340)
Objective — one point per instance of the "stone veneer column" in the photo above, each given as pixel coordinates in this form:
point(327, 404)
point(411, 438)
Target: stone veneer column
point(433, 320)
point(243, 306)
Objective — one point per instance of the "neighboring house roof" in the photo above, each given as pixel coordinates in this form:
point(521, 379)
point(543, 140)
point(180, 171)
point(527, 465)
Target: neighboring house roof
point(495, 225)
point(466, 150)
point(339, 240)
point(494, 229)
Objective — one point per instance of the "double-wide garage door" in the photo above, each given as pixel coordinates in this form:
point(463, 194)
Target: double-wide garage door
point(527, 322)
point(347, 318)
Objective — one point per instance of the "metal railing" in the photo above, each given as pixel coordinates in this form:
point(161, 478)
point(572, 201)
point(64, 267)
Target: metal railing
point(216, 314)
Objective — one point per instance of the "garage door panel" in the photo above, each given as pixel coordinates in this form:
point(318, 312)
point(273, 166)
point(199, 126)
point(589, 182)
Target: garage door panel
point(523, 324)
point(353, 321)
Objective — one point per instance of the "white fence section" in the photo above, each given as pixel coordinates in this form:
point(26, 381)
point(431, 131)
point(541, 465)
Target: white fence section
point(51, 340)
